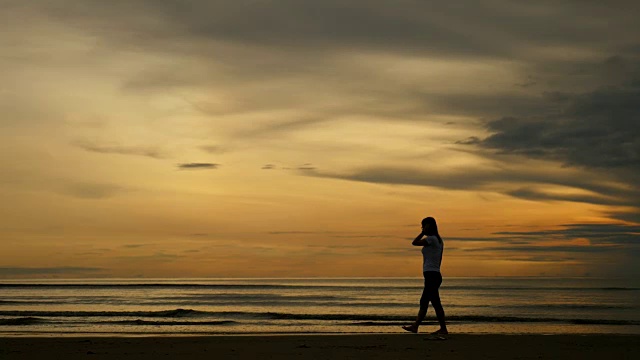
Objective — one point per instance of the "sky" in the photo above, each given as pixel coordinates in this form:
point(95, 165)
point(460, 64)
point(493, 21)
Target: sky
point(298, 138)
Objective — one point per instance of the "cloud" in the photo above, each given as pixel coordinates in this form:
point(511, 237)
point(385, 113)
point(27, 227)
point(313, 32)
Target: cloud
point(514, 255)
point(122, 150)
point(530, 81)
point(268, 167)
point(86, 190)
point(602, 234)
point(134, 246)
point(306, 167)
point(361, 236)
point(536, 195)
point(548, 249)
point(159, 256)
point(595, 130)
point(593, 244)
point(66, 186)
point(288, 43)
point(588, 141)
point(198, 166)
point(279, 127)
point(431, 28)
point(353, 55)
point(475, 238)
point(331, 234)
point(472, 140)
point(213, 149)
point(503, 180)
point(302, 232)
point(407, 176)
point(47, 270)
point(632, 216)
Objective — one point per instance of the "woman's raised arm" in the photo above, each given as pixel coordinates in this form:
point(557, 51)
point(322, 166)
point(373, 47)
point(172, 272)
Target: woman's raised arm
point(418, 241)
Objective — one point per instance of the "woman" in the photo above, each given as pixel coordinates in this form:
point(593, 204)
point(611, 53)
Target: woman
point(432, 248)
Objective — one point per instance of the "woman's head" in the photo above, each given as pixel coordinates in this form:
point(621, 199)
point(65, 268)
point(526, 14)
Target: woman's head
point(429, 225)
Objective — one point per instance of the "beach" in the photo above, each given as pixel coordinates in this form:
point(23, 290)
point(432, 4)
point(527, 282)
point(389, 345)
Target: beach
point(345, 346)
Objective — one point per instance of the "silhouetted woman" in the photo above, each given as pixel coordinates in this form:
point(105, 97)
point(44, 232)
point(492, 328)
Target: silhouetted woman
point(432, 249)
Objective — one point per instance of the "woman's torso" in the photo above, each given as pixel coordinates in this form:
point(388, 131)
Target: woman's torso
point(432, 254)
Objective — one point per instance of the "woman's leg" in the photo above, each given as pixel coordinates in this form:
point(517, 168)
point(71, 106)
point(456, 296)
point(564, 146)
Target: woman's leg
point(422, 312)
point(424, 305)
point(414, 327)
point(427, 293)
point(437, 306)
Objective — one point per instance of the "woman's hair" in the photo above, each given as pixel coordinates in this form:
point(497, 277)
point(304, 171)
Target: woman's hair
point(433, 227)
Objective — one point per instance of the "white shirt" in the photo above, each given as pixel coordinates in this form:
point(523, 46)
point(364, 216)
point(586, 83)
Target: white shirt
point(432, 254)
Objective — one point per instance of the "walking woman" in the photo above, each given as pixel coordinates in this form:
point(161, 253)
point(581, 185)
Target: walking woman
point(432, 248)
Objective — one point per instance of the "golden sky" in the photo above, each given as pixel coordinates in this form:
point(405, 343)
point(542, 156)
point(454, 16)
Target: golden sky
point(304, 138)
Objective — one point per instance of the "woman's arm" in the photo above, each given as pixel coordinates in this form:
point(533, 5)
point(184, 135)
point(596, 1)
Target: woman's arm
point(419, 241)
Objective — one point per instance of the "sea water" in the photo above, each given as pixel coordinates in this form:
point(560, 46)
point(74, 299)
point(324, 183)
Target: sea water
point(505, 305)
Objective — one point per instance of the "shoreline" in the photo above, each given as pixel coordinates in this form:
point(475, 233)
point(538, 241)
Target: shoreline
point(71, 335)
point(132, 334)
point(320, 346)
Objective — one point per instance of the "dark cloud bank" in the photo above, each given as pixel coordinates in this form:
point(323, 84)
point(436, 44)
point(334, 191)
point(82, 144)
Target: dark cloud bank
point(198, 166)
point(597, 132)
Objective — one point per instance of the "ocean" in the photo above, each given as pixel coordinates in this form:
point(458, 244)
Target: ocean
point(125, 307)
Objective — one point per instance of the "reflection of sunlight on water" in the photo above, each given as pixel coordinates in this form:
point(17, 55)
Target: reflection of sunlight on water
point(532, 305)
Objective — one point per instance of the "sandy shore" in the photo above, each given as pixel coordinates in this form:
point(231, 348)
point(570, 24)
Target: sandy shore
point(378, 346)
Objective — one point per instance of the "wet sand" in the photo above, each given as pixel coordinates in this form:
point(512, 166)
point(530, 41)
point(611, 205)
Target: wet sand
point(375, 346)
